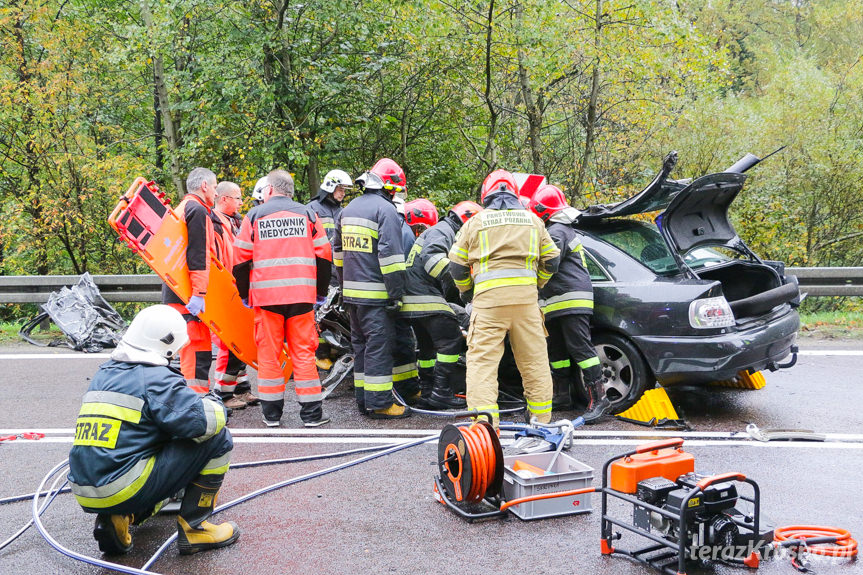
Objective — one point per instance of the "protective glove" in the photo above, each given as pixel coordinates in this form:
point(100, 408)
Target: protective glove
point(394, 305)
point(246, 302)
point(466, 296)
point(195, 305)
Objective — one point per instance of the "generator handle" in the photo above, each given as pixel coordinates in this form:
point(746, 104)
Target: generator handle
point(657, 445)
point(707, 481)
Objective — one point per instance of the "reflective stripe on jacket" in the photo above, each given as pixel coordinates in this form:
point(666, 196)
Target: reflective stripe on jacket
point(428, 271)
point(328, 211)
point(284, 242)
point(569, 291)
point(369, 251)
point(508, 248)
point(130, 411)
point(224, 236)
point(201, 243)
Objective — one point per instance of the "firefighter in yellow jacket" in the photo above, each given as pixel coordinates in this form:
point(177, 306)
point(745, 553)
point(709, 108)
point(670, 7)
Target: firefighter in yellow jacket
point(500, 258)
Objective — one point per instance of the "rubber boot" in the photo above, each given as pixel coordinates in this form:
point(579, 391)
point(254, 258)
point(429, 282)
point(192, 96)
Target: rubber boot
point(599, 404)
point(194, 532)
point(562, 396)
point(395, 411)
point(112, 533)
point(442, 396)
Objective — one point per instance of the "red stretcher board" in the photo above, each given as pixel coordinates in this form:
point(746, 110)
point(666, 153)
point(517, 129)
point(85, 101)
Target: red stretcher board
point(143, 218)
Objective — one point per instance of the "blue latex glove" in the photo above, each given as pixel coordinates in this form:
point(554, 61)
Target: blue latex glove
point(246, 303)
point(195, 305)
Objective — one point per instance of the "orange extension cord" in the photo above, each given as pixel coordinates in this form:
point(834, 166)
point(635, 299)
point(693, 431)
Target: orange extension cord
point(483, 459)
point(845, 546)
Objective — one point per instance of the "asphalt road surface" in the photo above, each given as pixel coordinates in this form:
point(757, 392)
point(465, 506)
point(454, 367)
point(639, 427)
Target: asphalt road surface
point(380, 516)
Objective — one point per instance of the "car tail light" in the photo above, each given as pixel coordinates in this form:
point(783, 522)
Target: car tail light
point(710, 313)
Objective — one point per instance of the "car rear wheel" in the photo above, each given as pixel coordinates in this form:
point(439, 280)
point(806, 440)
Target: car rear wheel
point(626, 371)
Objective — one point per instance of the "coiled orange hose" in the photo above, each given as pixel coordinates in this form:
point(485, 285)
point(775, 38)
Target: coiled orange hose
point(483, 460)
point(845, 546)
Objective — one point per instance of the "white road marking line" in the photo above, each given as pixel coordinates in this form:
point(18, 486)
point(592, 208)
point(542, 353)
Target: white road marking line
point(830, 352)
point(55, 355)
point(505, 441)
point(395, 434)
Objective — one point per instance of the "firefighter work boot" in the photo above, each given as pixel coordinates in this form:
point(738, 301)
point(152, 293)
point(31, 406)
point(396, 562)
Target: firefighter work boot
point(599, 404)
point(395, 411)
point(562, 397)
point(112, 533)
point(194, 532)
point(442, 396)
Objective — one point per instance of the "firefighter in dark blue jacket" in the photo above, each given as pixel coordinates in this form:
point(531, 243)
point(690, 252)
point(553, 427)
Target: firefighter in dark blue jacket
point(567, 303)
point(369, 253)
point(142, 435)
point(327, 207)
point(434, 322)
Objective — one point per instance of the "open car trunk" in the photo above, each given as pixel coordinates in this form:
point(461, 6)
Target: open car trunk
point(697, 217)
point(752, 288)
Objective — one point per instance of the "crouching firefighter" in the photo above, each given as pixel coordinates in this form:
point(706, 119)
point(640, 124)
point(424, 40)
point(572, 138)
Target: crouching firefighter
point(567, 302)
point(142, 435)
point(438, 332)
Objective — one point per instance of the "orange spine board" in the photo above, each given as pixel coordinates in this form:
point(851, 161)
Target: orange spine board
point(668, 463)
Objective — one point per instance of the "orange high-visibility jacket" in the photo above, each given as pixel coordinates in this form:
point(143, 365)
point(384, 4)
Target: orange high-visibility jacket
point(283, 242)
point(201, 243)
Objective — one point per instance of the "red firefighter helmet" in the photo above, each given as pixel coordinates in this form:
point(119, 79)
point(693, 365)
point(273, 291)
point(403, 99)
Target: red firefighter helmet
point(392, 174)
point(498, 181)
point(466, 210)
point(547, 201)
point(420, 214)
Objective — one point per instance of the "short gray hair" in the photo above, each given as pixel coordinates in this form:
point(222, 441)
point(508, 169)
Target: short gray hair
point(282, 182)
point(196, 178)
point(225, 188)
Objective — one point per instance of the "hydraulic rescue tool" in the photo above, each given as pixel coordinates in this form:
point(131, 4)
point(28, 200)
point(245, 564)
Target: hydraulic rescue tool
point(477, 481)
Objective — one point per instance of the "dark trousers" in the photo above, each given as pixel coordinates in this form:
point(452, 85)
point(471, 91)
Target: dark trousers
point(439, 339)
point(568, 342)
point(176, 465)
point(372, 335)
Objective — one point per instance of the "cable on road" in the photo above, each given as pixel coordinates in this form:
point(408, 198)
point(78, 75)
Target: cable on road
point(52, 493)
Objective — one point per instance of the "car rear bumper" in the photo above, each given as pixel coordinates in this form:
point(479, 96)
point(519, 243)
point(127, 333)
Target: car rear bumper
point(702, 359)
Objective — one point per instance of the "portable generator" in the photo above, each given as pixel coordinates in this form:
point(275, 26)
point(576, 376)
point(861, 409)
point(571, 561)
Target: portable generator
point(685, 516)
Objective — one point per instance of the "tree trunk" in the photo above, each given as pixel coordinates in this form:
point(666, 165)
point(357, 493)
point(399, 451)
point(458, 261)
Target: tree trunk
point(158, 131)
point(590, 122)
point(489, 156)
point(31, 192)
point(171, 127)
point(532, 110)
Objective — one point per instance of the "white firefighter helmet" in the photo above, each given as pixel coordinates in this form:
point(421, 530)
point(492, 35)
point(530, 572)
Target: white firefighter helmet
point(260, 186)
point(336, 178)
point(155, 336)
point(369, 181)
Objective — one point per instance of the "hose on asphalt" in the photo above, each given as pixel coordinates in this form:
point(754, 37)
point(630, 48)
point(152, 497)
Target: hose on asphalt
point(51, 493)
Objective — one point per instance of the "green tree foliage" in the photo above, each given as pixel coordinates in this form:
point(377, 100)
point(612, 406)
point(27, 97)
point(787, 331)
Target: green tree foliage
point(591, 93)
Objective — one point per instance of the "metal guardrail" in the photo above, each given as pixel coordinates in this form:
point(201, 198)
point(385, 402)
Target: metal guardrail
point(119, 288)
point(818, 282)
point(815, 282)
